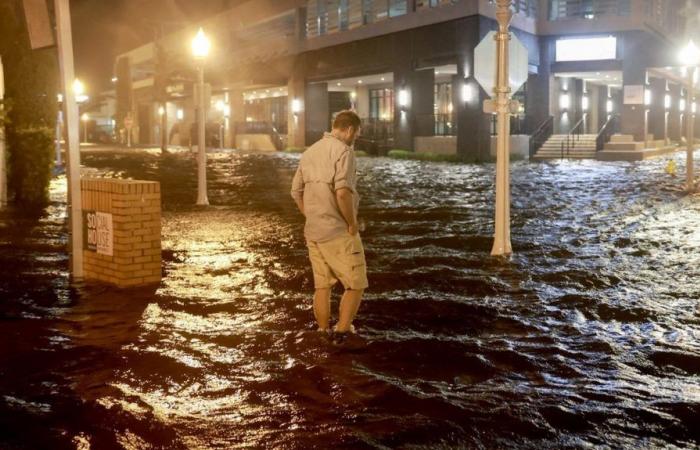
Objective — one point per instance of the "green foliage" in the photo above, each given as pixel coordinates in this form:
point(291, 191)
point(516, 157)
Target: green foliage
point(435, 157)
point(361, 153)
point(30, 164)
point(294, 150)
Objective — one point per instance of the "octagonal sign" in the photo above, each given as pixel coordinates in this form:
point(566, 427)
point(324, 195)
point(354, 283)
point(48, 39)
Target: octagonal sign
point(485, 63)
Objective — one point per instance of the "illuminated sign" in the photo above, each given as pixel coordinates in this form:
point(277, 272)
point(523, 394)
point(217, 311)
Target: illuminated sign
point(588, 49)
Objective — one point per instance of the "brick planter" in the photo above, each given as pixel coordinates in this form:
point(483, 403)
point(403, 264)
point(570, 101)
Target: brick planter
point(121, 235)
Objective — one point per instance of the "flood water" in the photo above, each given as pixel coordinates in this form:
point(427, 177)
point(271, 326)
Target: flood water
point(589, 336)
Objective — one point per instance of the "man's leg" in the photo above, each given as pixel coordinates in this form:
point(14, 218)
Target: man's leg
point(349, 305)
point(322, 308)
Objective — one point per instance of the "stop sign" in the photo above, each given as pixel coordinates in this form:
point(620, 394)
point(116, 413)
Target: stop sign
point(485, 63)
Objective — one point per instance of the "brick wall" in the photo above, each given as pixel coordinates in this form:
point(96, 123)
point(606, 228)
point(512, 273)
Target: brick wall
point(135, 209)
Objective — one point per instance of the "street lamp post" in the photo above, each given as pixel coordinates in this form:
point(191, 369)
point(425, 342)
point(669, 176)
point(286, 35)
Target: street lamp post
point(501, 243)
point(690, 56)
point(200, 49)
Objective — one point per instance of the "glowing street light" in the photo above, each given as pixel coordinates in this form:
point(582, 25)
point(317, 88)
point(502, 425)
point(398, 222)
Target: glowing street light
point(200, 50)
point(690, 57)
point(79, 91)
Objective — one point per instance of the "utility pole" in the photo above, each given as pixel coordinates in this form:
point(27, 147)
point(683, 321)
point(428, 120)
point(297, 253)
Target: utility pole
point(75, 213)
point(501, 243)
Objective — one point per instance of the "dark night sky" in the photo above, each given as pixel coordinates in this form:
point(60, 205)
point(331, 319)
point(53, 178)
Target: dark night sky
point(105, 28)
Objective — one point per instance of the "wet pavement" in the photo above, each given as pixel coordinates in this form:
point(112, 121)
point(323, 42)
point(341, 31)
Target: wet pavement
point(587, 336)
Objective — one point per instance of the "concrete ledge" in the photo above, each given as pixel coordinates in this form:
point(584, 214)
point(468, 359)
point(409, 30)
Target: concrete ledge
point(519, 145)
point(261, 142)
point(624, 146)
point(617, 138)
point(636, 155)
point(440, 145)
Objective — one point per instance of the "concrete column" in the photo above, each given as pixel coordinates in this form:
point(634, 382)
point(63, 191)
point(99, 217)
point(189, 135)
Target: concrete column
point(362, 101)
point(473, 136)
point(674, 116)
point(416, 117)
point(237, 105)
point(593, 108)
point(296, 120)
point(657, 111)
point(318, 117)
point(633, 74)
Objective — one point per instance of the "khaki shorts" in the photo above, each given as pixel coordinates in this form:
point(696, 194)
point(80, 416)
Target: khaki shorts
point(342, 258)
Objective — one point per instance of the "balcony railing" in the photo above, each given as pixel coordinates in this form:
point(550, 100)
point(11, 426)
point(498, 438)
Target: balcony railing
point(587, 9)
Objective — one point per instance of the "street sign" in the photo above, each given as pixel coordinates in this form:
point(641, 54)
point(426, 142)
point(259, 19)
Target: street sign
point(485, 63)
point(38, 24)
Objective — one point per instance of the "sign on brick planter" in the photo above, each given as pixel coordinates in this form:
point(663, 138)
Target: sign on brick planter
point(121, 235)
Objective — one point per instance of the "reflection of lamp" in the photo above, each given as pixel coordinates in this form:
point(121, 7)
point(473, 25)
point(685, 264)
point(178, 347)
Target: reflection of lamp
point(200, 50)
point(564, 102)
point(403, 98)
point(647, 97)
point(667, 101)
point(609, 106)
point(584, 103)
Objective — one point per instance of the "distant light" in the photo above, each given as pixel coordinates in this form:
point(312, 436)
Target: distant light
point(85, 117)
point(609, 106)
point(227, 110)
point(647, 97)
point(180, 114)
point(437, 72)
point(59, 98)
point(296, 106)
point(200, 45)
point(667, 101)
point(690, 55)
point(161, 110)
point(81, 98)
point(681, 104)
point(584, 103)
point(114, 79)
point(114, 123)
point(564, 102)
point(338, 84)
point(403, 98)
point(353, 95)
point(382, 78)
point(695, 107)
point(78, 87)
point(359, 81)
point(220, 105)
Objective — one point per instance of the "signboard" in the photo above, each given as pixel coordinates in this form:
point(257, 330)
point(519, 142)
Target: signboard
point(485, 63)
point(634, 95)
point(98, 232)
point(38, 24)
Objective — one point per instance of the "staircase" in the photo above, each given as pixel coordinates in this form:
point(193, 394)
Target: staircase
point(582, 146)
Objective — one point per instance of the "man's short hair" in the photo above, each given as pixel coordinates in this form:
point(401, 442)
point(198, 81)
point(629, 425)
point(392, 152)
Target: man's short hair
point(346, 119)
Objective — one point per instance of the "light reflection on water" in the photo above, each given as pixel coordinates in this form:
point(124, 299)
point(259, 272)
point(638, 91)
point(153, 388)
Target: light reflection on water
point(587, 336)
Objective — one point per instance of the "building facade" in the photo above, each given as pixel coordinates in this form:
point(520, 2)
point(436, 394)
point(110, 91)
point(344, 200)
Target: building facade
point(282, 68)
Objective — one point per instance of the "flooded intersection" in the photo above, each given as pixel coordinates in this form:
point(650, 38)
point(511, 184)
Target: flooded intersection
point(588, 336)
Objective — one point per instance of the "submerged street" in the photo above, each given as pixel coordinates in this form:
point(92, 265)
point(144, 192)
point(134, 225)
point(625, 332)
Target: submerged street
point(588, 336)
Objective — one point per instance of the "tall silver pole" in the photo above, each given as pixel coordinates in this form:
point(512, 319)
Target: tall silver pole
point(3, 156)
point(65, 59)
point(501, 243)
point(202, 154)
point(689, 169)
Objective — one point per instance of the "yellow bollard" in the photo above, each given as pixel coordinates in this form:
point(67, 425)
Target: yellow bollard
point(671, 168)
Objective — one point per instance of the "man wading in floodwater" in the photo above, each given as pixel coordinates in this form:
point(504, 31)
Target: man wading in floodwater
point(324, 190)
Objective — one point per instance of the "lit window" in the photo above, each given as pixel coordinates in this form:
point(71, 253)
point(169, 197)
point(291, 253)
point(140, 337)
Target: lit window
point(590, 49)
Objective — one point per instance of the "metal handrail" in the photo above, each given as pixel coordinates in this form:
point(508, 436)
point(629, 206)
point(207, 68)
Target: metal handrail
point(541, 135)
point(574, 133)
point(607, 130)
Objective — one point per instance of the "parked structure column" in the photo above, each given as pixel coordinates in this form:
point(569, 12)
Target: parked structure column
point(632, 117)
point(657, 111)
point(237, 105)
point(674, 112)
point(318, 117)
point(296, 106)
